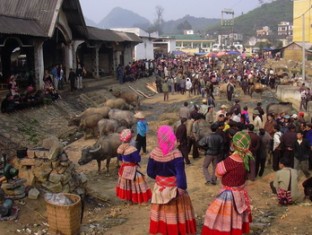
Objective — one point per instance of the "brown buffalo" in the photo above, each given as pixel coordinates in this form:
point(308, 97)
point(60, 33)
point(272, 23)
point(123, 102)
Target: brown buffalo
point(103, 111)
point(129, 97)
point(258, 88)
point(89, 124)
point(117, 103)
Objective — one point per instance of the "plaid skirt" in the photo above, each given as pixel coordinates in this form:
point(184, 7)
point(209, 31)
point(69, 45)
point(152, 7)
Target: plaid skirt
point(228, 214)
point(174, 218)
point(136, 191)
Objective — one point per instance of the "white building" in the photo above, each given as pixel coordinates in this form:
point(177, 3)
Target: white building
point(165, 44)
point(144, 50)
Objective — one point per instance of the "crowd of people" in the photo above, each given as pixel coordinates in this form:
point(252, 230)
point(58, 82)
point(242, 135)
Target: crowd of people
point(238, 144)
point(19, 97)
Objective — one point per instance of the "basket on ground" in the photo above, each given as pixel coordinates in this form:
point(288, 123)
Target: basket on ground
point(66, 219)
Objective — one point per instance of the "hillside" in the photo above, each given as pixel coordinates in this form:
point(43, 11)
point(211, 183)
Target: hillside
point(197, 24)
point(269, 14)
point(119, 17)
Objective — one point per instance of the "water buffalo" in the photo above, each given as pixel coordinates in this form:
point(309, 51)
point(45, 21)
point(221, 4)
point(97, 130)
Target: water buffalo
point(129, 97)
point(281, 107)
point(103, 111)
point(122, 116)
point(107, 126)
point(104, 149)
point(89, 124)
point(117, 103)
point(258, 88)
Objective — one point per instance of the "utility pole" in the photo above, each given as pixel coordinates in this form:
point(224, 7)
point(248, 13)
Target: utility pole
point(303, 47)
point(228, 21)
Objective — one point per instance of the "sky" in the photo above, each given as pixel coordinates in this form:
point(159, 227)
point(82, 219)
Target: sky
point(96, 10)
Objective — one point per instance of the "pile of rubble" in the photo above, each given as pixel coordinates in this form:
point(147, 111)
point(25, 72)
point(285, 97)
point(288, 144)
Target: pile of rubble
point(48, 168)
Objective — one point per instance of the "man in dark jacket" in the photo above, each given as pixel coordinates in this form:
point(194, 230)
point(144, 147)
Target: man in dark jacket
point(181, 134)
point(254, 149)
point(287, 144)
point(213, 144)
point(302, 154)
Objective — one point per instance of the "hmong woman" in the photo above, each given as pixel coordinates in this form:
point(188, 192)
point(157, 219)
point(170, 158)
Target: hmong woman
point(131, 184)
point(171, 210)
point(230, 212)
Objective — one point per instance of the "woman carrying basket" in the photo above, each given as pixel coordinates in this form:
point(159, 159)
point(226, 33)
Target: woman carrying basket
point(131, 184)
point(171, 210)
point(230, 212)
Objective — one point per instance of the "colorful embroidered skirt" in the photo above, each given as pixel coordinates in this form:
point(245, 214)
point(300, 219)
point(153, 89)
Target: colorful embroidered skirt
point(174, 218)
point(222, 216)
point(136, 191)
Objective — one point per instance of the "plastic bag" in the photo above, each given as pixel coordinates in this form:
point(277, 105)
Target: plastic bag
point(58, 199)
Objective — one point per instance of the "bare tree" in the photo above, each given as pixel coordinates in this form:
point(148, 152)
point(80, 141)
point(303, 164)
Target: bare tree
point(159, 10)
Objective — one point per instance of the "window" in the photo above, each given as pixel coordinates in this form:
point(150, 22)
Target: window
point(187, 44)
point(196, 45)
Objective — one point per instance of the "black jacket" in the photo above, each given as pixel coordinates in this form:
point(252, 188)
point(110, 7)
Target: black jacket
point(212, 143)
point(302, 151)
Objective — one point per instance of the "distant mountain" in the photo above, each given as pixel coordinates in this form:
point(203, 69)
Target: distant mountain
point(90, 22)
point(197, 24)
point(122, 18)
point(268, 14)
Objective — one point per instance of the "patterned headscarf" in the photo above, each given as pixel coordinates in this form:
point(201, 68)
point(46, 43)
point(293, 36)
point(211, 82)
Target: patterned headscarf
point(166, 139)
point(241, 142)
point(125, 135)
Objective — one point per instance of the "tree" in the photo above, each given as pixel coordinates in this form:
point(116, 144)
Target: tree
point(158, 23)
point(185, 25)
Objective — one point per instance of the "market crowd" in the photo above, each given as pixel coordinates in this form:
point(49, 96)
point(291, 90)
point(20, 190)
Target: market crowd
point(238, 142)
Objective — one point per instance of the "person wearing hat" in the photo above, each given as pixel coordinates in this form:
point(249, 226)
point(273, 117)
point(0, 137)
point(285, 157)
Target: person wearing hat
point(230, 212)
point(203, 109)
point(221, 111)
point(257, 122)
point(142, 128)
point(131, 185)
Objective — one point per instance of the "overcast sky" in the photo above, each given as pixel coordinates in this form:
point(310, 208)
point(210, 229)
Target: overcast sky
point(96, 10)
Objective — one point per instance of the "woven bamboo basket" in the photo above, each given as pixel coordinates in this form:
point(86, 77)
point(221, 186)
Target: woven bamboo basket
point(65, 220)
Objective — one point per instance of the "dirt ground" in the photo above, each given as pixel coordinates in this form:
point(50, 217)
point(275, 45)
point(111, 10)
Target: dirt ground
point(104, 214)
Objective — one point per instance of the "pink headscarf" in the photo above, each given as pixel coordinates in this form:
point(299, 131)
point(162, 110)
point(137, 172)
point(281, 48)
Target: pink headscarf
point(125, 135)
point(166, 139)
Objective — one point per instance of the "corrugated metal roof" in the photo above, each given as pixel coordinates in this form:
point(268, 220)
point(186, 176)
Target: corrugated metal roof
point(130, 37)
point(12, 25)
point(44, 13)
point(97, 34)
point(108, 35)
point(41, 11)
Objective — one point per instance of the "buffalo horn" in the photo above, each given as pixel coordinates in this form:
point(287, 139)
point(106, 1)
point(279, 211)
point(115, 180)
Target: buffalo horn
point(95, 150)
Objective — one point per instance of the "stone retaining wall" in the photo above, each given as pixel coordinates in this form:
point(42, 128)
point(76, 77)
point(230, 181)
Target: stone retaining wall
point(288, 93)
